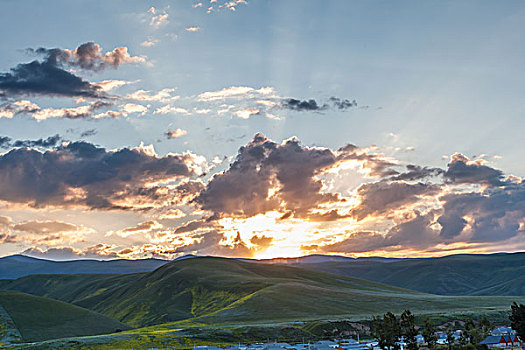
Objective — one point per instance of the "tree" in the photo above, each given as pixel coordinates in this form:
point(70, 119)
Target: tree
point(517, 319)
point(474, 335)
point(408, 329)
point(450, 337)
point(429, 333)
point(486, 325)
point(387, 331)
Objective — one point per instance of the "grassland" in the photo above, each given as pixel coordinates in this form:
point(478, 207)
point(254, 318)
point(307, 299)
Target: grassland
point(216, 291)
point(38, 318)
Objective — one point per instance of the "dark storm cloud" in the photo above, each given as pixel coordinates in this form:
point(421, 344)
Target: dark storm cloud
point(462, 170)
point(81, 173)
point(45, 78)
point(342, 104)
point(51, 141)
point(306, 105)
point(312, 105)
point(5, 142)
point(49, 76)
point(492, 215)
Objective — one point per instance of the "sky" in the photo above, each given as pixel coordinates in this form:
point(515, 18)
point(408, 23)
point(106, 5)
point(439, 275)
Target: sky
point(261, 129)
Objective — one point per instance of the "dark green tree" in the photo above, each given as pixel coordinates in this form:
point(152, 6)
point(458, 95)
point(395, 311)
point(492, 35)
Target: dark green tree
point(474, 335)
point(408, 329)
point(486, 325)
point(450, 337)
point(429, 333)
point(387, 331)
point(517, 319)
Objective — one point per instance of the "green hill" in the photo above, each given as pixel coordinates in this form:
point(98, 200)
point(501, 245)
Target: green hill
point(38, 318)
point(219, 290)
point(495, 274)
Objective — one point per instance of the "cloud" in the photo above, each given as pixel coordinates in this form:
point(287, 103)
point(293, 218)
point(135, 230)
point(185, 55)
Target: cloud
point(192, 29)
point(218, 5)
point(43, 232)
point(99, 251)
point(173, 134)
point(342, 104)
point(51, 141)
point(157, 18)
point(462, 170)
point(82, 174)
point(130, 108)
point(50, 78)
point(312, 105)
point(141, 228)
point(164, 95)
point(298, 105)
point(414, 233)
point(89, 56)
point(171, 109)
point(149, 43)
point(10, 109)
point(381, 197)
point(90, 132)
point(237, 92)
point(45, 78)
point(269, 176)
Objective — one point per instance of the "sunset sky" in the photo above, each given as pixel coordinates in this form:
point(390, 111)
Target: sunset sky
point(254, 128)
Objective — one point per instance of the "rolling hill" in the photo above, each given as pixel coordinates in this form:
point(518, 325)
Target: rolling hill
point(219, 290)
point(494, 274)
point(16, 266)
point(37, 318)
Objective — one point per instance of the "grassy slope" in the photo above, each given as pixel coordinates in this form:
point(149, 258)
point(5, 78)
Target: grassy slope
point(497, 274)
point(218, 290)
point(40, 318)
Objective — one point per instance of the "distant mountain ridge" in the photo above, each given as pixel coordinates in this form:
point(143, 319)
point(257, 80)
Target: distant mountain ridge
point(462, 274)
point(16, 266)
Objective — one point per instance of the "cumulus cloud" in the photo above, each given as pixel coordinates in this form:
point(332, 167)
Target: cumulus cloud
point(171, 109)
point(89, 56)
point(50, 78)
point(173, 134)
point(80, 173)
point(270, 176)
point(466, 171)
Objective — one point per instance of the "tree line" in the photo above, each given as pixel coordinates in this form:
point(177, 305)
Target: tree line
point(390, 330)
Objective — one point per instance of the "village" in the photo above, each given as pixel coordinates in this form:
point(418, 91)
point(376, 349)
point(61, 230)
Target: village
point(500, 338)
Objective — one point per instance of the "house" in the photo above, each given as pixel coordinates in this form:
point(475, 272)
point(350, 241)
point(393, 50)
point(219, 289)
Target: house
point(501, 341)
point(502, 331)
